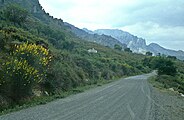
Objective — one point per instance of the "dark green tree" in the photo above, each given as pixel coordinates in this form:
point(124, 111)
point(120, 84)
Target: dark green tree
point(172, 57)
point(15, 14)
point(128, 50)
point(117, 47)
point(165, 66)
point(68, 45)
point(149, 53)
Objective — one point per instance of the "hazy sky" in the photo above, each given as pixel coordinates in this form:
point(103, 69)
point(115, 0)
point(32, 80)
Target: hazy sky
point(159, 21)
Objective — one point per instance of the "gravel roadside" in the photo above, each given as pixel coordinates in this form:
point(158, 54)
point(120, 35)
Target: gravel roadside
point(166, 105)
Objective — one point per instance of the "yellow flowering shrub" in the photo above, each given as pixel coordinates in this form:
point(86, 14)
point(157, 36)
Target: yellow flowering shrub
point(24, 70)
point(18, 78)
point(34, 54)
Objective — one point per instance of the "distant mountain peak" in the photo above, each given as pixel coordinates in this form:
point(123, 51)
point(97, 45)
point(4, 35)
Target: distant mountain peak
point(88, 31)
point(137, 44)
point(89, 35)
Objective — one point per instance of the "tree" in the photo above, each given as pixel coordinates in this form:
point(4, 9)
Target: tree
point(165, 66)
point(159, 54)
point(172, 57)
point(2, 40)
point(117, 47)
point(15, 14)
point(149, 53)
point(128, 50)
point(68, 45)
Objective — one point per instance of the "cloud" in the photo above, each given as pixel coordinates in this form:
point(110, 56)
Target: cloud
point(117, 12)
point(96, 11)
point(165, 12)
point(158, 21)
point(167, 36)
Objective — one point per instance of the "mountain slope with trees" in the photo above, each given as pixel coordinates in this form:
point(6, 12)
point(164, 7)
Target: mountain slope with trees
point(104, 40)
point(40, 56)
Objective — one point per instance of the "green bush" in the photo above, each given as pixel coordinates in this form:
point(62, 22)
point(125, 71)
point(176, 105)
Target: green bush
point(15, 14)
point(117, 47)
point(4, 39)
point(169, 81)
point(23, 70)
point(166, 66)
point(18, 79)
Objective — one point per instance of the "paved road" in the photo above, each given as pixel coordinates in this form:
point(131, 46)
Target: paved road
point(126, 99)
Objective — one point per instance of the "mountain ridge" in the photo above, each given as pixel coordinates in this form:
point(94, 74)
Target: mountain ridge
point(138, 45)
point(104, 40)
point(157, 48)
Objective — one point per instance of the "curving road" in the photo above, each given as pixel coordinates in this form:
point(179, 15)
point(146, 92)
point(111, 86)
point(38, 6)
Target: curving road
point(126, 99)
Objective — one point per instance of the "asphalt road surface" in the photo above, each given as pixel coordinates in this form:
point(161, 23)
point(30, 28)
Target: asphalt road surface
point(126, 99)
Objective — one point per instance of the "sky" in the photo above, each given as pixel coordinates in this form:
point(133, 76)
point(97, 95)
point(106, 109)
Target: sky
point(158, 21)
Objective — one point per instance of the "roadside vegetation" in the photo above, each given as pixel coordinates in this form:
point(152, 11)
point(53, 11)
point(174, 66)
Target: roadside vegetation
point(170, 72)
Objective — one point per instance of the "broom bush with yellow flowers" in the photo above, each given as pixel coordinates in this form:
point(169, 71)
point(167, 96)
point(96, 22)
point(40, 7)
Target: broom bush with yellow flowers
point(25, 69)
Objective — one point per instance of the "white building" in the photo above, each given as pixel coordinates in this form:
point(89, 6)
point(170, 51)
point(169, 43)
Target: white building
point(92, 50)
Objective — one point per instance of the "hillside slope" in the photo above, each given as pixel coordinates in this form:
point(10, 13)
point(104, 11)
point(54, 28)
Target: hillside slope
point(104, 40)
point(40, 53)
point(156, 49)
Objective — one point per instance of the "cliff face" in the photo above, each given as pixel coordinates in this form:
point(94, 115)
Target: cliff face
point(87, 35)
point(137, 45)
point(156, 49)
point(32, 6)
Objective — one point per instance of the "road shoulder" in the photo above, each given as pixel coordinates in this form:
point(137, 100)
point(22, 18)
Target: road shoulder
point(166, 105)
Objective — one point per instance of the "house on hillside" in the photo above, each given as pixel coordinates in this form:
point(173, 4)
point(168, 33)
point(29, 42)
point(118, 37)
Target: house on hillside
point(92, 50)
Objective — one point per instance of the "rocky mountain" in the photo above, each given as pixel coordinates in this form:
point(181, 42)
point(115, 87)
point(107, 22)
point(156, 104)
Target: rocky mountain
point(138, 45)
point(35, 9)
point(88, 35)
point(156, 49)
point(88, 31)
